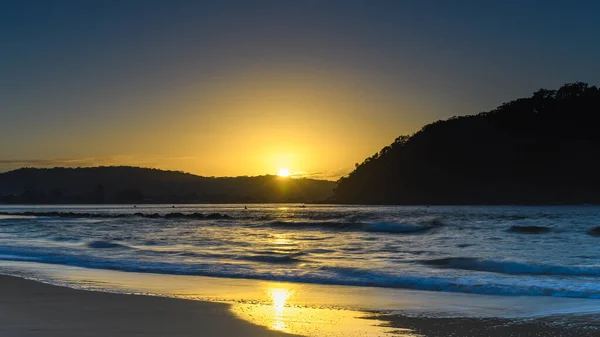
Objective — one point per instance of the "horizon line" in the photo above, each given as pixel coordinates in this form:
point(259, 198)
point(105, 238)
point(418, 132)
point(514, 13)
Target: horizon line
point(291, 176)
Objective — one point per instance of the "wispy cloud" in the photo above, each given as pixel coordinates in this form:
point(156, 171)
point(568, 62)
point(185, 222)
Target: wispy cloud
point(44, 162)
point(10, 164)
point(334, 174)
point(155, 162)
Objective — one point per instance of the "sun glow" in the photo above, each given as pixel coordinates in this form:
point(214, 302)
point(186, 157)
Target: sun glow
point(283, 172)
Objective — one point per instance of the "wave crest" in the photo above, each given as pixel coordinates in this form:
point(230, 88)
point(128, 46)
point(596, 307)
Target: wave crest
point(509, 267)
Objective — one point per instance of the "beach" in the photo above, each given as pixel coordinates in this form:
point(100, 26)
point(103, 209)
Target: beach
point(29, 308)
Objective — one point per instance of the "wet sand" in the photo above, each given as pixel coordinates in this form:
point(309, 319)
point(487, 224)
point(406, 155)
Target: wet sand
point(29, 308)
point(553, 326)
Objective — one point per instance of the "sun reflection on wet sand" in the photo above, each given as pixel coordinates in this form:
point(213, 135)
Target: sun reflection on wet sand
point(298, 309)
point(279, 297)
point(281, 315)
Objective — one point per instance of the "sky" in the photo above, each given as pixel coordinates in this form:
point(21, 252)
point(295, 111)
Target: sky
point(229, 88)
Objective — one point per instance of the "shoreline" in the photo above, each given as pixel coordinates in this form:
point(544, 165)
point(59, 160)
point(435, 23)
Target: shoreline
point(411, 302)
point(32, 308)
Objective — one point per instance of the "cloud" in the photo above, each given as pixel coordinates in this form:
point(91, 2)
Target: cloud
point(11, 164)
point(44, 162)
point(334, 174)
point(171, 163)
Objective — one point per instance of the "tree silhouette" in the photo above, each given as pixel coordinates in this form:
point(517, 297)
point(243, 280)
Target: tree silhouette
point(541, 149)
point(123, 184)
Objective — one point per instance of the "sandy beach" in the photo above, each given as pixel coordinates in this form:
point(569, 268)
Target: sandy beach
point(29, 308)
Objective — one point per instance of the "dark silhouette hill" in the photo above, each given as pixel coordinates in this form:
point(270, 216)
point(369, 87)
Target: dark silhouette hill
point(544, 149)
point(142, 185)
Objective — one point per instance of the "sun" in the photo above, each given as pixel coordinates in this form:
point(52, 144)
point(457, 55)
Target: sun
point(283, 172)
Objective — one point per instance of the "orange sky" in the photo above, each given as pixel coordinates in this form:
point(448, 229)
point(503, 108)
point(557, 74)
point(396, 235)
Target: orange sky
point(315, 123)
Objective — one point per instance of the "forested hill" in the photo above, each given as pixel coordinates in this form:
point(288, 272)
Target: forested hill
point(141, 185)
point(544, 149)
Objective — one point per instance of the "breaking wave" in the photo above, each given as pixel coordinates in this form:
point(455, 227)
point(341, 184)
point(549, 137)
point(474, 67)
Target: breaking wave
point(486, 250)
point(326, 275)
point(509, 267)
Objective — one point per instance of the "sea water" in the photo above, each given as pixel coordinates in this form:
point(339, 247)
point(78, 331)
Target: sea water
point(504, 261)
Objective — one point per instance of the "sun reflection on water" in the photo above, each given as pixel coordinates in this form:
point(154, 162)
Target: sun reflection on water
point(279, 240)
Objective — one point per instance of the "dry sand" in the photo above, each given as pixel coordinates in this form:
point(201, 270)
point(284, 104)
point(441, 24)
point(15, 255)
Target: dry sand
point(29, 308)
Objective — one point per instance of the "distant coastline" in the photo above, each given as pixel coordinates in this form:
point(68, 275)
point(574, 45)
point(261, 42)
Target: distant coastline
point(539, 150)
point(135, 185)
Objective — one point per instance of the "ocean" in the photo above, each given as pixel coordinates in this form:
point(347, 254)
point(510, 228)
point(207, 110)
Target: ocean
point(533, 254)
